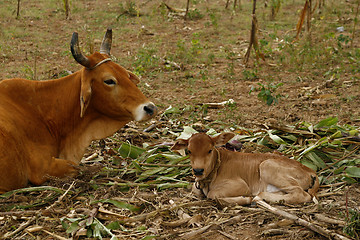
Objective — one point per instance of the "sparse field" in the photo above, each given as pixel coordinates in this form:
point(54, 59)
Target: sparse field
point(184, 65)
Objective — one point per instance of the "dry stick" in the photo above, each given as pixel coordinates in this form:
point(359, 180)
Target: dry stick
point(18, 10)
point(301, 19)
point(308, 21)
point(355, 20)
point(229, 221)
point(187, 9)
point(142, 217)
point(55, 235)
point(19, 229)
point(60, 198)
point(252, 34)
point(300, 221)
point(253, 38)
point(67, 8)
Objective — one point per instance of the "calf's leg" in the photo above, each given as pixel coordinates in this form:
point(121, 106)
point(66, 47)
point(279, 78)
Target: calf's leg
point(289, 179)
point(229, 192)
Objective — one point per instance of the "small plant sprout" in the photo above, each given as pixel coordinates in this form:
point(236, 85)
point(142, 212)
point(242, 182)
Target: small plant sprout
point(268, 92)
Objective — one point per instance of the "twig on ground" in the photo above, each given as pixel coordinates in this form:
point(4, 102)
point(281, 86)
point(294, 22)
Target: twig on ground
point(54, 235)
point(325, 232)
point(329, 220)
point(227, 235)
point(20, 228)
point(60, 198)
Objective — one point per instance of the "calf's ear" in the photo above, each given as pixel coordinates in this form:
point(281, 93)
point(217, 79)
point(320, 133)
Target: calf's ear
point(180, 144)
point(223, 138)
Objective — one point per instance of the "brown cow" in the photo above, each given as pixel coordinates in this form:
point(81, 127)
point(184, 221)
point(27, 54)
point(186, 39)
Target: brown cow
point(235, 177)
point(45, 126)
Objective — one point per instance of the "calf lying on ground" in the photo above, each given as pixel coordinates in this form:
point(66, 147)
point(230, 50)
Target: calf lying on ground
point(45, 126)
point(234, 177)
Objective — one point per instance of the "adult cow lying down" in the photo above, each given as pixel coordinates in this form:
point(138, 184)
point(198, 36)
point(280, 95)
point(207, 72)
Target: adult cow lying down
point(235, 177)
point(45, 126)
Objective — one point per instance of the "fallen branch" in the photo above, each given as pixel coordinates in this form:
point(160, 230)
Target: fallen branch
point(145, 216)
point(60, 198)
point(54, 235)
point(199, 231)
point(20, 228)
point(330, 220)
point(229, 221)
point(324, 232)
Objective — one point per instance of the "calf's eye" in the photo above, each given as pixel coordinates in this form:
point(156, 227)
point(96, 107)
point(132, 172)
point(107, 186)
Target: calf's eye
point(210, 151)
point(109, 82)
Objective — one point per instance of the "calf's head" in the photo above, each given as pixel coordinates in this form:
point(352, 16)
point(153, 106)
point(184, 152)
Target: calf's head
point(202, 152)
point(109, 88)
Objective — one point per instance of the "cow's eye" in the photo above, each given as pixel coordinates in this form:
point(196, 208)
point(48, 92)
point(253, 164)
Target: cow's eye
point(189, 152)
point(109, 82)
point(210, 151)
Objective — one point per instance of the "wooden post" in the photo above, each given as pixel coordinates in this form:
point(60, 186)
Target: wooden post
point(67, 8)
point(18, 10)
point(253, 38)
point(187, 9)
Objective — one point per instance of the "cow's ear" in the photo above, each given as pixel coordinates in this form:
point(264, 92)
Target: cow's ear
point(180, 144)
point(85, 94)
point(134, 78)
point(223, 138)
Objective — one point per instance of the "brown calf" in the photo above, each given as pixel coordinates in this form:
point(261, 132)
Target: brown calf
point(45, 126)
point(234, 177)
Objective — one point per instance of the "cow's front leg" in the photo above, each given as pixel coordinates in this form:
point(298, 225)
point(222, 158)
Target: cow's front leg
point(56, 168)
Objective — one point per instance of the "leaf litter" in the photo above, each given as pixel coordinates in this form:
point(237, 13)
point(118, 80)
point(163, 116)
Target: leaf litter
point(132, 189)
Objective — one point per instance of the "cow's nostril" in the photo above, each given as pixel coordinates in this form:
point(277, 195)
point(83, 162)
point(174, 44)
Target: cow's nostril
point(198, 171)
point(150, 109)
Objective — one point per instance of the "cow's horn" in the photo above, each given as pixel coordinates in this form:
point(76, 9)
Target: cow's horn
point(106, 43)
point(76, 52)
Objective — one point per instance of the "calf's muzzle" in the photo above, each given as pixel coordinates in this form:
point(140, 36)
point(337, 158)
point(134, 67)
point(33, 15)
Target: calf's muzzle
point(198, 171)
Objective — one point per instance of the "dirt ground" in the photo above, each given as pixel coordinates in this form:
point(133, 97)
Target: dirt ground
point(184, 64)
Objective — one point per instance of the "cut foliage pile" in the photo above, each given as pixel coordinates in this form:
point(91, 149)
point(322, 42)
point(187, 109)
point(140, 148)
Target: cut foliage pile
point(130, 192)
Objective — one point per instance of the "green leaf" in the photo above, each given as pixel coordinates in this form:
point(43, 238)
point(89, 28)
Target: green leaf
point(316, 160)
point(314, 146)
point(128, 150)
point(34, 189)
point(276, 138)
point(309, 164)
point(73, 227)
point(171, 110)
point(149, 237)
point(115, 226)
point(353, 171)
point(327, 122)
point(187, 133)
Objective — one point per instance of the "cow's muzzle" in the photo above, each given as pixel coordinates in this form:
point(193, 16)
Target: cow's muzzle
point(150, 109)
point(145, 111)
point(198, 171)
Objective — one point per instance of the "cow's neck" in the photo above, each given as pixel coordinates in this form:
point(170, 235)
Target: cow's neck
point(60, 111)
